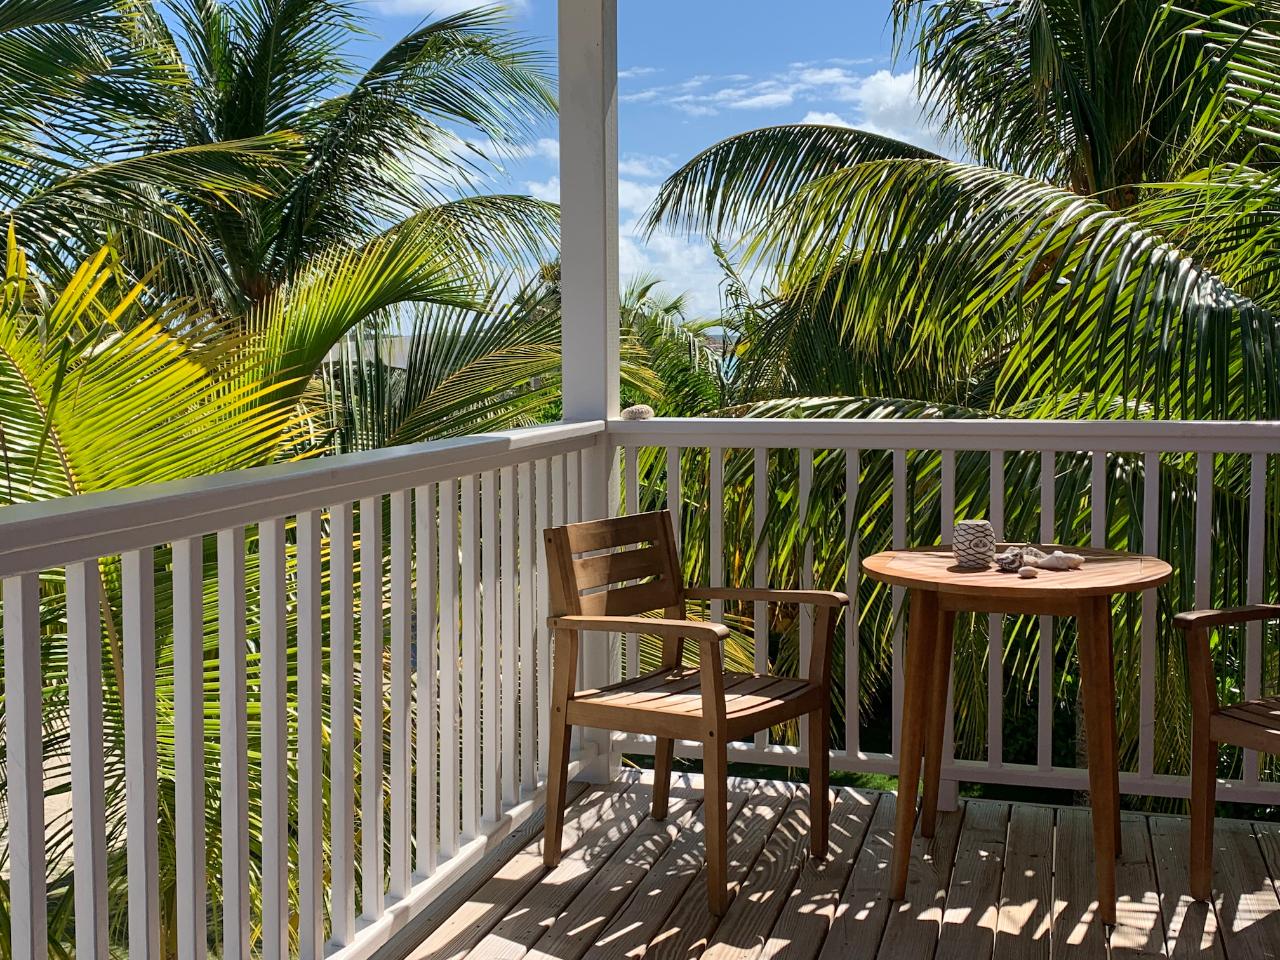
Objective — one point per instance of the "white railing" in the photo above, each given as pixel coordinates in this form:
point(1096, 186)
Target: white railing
point(402, 589)
point(235, 583)
point(902, 479)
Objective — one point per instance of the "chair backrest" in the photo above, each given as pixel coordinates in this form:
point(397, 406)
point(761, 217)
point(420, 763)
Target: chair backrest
point(618, 567)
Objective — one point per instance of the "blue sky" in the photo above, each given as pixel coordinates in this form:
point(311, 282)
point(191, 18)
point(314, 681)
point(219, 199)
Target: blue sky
point(695, 71)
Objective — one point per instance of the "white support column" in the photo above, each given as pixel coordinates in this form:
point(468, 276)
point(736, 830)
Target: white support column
point(588, 33)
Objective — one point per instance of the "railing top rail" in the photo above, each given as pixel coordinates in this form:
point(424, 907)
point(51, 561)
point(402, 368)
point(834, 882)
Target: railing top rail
point(1145, 436)
point(37, 536)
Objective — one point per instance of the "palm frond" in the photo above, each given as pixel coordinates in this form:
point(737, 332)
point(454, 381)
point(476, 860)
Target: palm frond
point(1079, 293)
point(741, 180)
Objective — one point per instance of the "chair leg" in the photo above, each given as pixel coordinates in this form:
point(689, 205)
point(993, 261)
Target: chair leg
point(1204, 771)
point(819, 778)
point(715, 777)
point(557, 781)
point(662, 752)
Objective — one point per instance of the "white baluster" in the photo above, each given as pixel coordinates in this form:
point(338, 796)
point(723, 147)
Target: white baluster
point(1044, 677)
point(760, 570)
point(28, 936)
point(142, 841)
point(448, 668)
point(852, 642)
point(631, 482)
point(897, 593)
point(188, 738)
point(401, 598)
point(1147, 667)
point(233, 744)
point(542, 505)
point(371, 708)
point(509, 640)
point(311, 880)
point(1255, 581)
point(424, 502)
point(675, 493)
point(488, 665)
point(527, 594)
point(806, 575)
point(470, 659)
point(342, 720)
point(995, 630)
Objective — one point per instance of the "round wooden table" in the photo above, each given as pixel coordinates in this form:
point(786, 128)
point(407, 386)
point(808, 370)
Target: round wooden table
point(938, 591)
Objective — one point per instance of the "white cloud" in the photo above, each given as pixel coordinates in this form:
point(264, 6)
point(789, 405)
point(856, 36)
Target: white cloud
point(632, 72)
point(548, 189)
point(887, 104)
point(880, 102)
point(634, 198)
point(685, 266)
point(644, 167)
point(765, 101)
point(826, 117)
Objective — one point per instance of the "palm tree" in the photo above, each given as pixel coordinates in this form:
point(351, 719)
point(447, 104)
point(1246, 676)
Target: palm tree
point(401, 141)
point(1106, 249)
point(235, 155)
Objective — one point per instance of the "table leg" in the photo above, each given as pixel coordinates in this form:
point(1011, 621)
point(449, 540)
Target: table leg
point(1097, 682)
point(923, 632)
point(934, 735)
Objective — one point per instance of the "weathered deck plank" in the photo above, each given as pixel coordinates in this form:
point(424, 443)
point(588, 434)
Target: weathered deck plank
point(1139, 929)
point(998, 881)
point(864, 909)
point(1026, 892)
point(586, 915)
point(915, 923)
point(973, 901)
point(1190, 926)
point(467, 925)
point(810, 910)
point(1077, 931)
point(689, 928)
point(639, 921)
point(1243, 894)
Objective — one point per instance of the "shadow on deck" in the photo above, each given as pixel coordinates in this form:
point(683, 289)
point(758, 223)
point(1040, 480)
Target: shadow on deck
point(998, 879)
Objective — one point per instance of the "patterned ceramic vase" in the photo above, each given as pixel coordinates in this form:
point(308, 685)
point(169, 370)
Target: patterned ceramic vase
point(974, 544)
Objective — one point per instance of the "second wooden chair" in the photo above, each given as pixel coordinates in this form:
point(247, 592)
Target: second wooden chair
point(604, 575)
point(1254, 724)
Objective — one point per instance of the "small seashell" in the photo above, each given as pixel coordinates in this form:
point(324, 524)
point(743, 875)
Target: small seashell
point(1028, 573)
point(641, 411)
point(1010, 560)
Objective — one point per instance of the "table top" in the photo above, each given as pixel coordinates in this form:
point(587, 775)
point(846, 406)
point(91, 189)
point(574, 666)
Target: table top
point(1104, 572)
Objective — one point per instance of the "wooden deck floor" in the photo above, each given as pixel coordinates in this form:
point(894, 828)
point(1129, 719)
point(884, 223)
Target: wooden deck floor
point(998, 879)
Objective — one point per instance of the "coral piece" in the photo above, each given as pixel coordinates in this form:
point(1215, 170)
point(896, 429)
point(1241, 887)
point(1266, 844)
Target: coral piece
point(1028, 573)
point(1061, 561)
point(1033, 555)
point(641, 411)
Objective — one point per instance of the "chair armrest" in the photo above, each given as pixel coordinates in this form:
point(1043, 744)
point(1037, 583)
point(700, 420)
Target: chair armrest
point(817, 598)
point(691, 629)
point(1208, 619)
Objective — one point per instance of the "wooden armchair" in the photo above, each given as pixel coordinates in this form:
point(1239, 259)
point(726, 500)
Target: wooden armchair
point(1253, 724)
point(597, 586)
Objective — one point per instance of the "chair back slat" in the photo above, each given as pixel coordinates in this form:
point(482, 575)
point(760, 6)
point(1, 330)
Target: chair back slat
point(617, 567)
point(607, 569)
